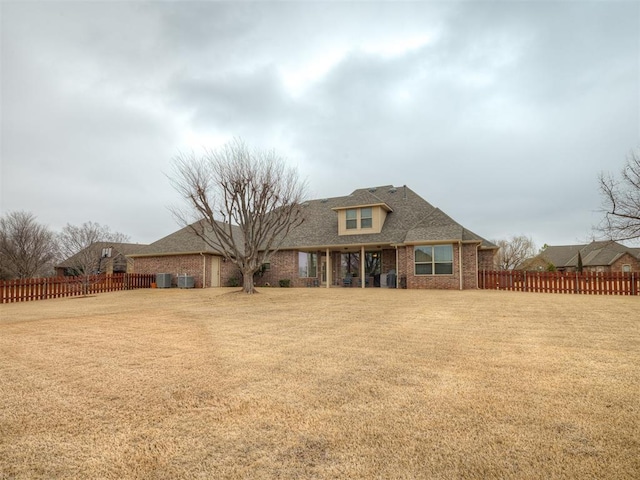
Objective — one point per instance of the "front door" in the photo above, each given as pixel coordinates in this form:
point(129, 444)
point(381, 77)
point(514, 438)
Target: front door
point(215, 271)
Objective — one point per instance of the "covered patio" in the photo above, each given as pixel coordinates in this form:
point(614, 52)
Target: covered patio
point(353, 266)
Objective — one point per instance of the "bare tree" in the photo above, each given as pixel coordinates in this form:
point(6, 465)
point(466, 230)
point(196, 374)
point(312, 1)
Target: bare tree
point(514, 251)
point(621, 201)
point(244, 203)
point(81, 246)
point(27, 248)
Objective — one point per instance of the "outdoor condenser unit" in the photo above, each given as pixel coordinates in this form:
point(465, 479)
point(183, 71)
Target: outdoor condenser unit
point(163, 280)
point(185, 281)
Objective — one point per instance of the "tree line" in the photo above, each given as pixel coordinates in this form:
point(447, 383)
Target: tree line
point(30, 249)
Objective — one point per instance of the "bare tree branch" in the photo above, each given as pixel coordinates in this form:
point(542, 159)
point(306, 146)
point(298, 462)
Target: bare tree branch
point(27, 248)
point(514, 251)
point(78, 245)
point(621, 201)
point(242, 202)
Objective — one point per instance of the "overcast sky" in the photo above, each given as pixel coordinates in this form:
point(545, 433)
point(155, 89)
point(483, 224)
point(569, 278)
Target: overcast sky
point(500, 113)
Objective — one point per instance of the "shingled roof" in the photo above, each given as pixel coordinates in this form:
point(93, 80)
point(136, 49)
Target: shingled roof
point(410, 219)
point(184, 241)
point(96, 248)
point(594, 254)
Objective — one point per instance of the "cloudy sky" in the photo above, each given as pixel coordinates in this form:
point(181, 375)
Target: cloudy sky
point(500, 113)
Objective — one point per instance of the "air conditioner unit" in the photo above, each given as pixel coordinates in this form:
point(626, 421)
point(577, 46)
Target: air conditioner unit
point(163, 280)
point(185, 281)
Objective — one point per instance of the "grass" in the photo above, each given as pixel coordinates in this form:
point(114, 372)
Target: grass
point(316, 383)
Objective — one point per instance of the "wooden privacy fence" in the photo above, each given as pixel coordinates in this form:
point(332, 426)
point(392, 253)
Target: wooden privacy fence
point(593, 283)
point(28, 289)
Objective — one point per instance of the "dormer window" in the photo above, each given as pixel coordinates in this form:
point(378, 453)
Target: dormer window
point(352, 219)
point(366, 217)
point(363, 219)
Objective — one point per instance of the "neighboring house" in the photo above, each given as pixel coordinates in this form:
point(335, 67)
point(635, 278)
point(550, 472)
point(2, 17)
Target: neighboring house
point(601, 256)
point(377, 237)
point(104, 257)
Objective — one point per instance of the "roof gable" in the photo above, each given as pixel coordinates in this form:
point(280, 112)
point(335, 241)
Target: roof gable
point(594, 254)
point(96, 248)
point(185, 241)
point(410, 218)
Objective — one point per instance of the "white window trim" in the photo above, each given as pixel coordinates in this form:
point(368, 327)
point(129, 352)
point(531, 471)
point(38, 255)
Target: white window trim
point(433, 262)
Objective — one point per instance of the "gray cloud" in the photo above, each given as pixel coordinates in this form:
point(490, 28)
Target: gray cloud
point(502, 114)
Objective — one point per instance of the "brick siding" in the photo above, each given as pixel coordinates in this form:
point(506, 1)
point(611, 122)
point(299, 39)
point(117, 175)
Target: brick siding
point(283, 265)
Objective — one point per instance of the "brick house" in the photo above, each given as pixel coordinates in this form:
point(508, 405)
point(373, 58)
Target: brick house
point(600, 256)
point(377, 237)
point(100, 257)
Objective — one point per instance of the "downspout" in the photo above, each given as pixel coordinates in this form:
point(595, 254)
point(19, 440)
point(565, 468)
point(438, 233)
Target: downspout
point(397, 271)
point(204, 269)
point(328, 273)
point(478, 268)
point(460, 261)
point(362, 272)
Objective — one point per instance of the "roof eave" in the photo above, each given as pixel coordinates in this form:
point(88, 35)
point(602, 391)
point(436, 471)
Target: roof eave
point(170, 254)
point(379, 204)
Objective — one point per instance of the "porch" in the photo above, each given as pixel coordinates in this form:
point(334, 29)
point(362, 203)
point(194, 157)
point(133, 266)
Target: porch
point(349, 267)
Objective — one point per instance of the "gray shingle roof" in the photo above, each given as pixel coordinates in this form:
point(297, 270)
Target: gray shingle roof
point(410, 219)
point(561, 255)
point(96, 249)
point(594, 254)
point(182, 242)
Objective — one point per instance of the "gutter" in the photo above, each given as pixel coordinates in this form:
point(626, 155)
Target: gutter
point(397, 271)
point(204, 269)
point(460, 262)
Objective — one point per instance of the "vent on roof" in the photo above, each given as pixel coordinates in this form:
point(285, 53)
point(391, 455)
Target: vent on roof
point(324, 200)
point(305, 204)
point(372, 189)
point(393, 190)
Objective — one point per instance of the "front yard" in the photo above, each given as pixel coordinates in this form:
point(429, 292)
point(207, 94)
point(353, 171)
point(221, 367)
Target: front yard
point(317, 383)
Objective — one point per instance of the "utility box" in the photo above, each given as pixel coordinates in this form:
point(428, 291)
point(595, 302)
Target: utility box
point(163, 280)
point(186, 281)
point(391, 280)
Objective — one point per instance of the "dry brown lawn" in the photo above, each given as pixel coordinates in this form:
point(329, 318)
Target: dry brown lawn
point(316, 383)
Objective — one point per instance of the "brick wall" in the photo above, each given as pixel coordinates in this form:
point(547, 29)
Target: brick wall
point(471, 257)
point(626, 259)
point(443, 282)
point(283, 265)
point(469, 266)
point(486, 260)
point(176, 265)
point(388, 260)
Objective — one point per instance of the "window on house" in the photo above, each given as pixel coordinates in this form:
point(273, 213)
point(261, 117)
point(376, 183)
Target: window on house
point(307, 264)
point(433, 260)
point(352, 218)
point(626, 268)
point(366, 217)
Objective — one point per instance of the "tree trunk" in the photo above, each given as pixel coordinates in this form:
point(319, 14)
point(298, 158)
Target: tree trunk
point(247, 282)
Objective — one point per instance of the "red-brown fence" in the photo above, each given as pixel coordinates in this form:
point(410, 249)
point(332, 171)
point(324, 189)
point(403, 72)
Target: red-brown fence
point(28, 289)
point(592, 283)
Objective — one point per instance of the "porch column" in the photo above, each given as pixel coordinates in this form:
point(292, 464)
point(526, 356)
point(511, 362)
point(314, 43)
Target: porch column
point(362, 266)
point(328, 267)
